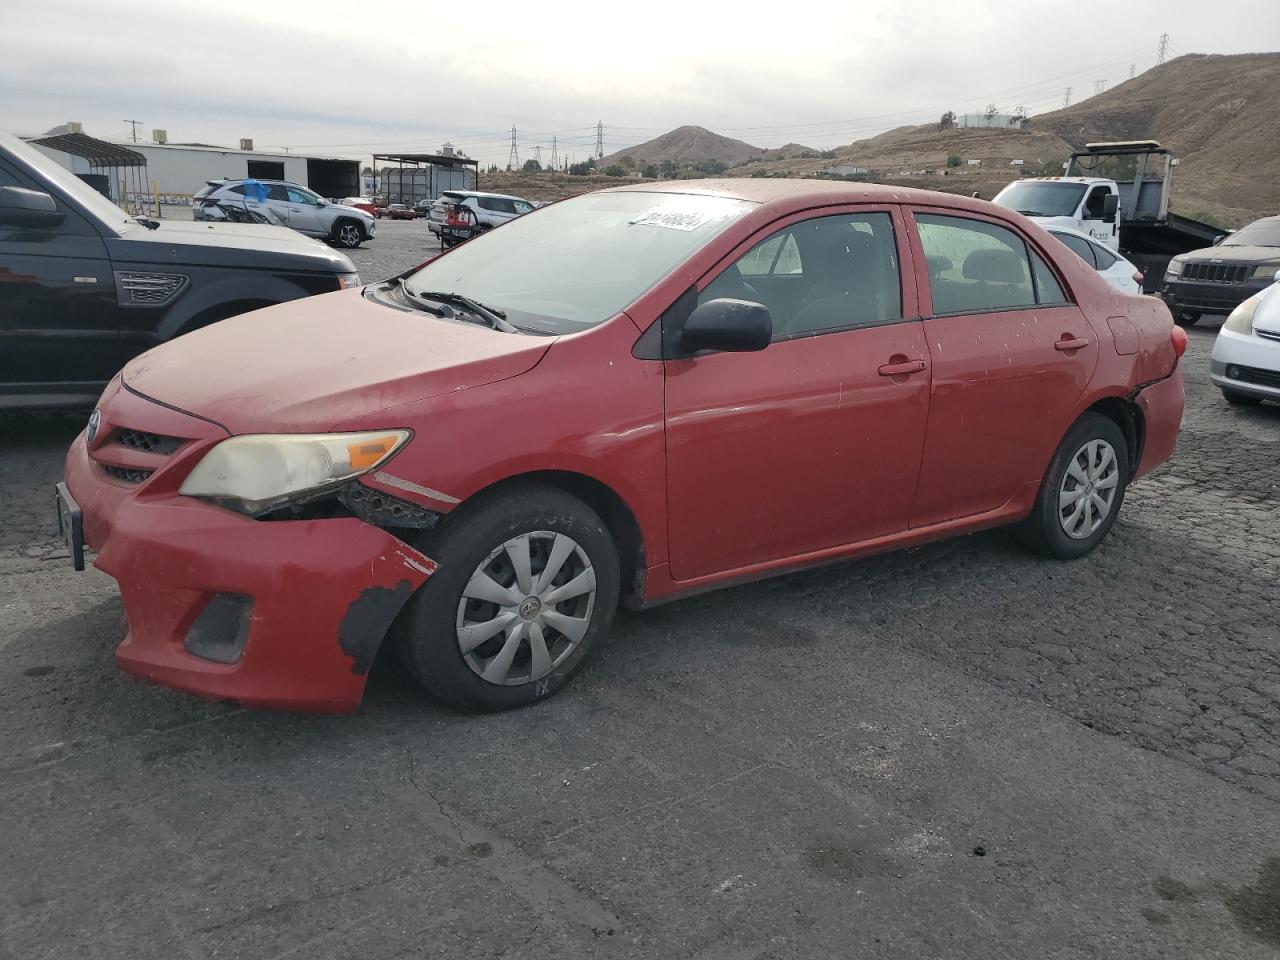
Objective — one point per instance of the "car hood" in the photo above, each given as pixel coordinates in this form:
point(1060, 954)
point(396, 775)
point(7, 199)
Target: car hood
point(1266, 315)
point(1232, 253)
point(220, 244)
point(307, 365)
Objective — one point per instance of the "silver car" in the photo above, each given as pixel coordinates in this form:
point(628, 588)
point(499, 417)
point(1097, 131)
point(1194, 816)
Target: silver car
point(1245, 364)
point(286, 205)
point(485, 210)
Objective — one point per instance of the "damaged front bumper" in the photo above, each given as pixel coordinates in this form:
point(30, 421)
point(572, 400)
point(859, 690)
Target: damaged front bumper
point(277, 614)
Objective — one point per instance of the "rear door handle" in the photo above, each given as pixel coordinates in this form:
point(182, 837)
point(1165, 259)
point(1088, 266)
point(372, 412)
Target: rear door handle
point(901, 369)
point(1071, 343)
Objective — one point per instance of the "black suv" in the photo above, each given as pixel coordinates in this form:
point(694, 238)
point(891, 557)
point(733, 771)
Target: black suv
point(1218, 279)
point(84, 287)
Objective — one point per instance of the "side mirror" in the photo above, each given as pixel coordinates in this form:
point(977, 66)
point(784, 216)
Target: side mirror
point(20, 207)
point(1217, 240)
point(737, 326)
point(1110, 207)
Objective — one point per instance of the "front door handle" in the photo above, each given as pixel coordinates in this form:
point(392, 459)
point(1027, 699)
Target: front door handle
point(1071, 343)
point(902, 368)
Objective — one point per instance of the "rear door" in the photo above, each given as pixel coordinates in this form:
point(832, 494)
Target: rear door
point(59, 326)
point(1011, 356)
point(815, 441)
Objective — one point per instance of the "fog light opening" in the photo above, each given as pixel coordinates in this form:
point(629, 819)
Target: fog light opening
point(220, 632)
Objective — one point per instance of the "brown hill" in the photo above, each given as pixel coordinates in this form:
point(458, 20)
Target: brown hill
point(688, 145)
point(1219, 114)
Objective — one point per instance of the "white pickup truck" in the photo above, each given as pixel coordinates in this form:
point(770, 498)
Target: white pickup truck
point(1117, 193)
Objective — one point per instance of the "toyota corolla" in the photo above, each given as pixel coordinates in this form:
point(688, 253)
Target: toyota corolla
point(622, 398)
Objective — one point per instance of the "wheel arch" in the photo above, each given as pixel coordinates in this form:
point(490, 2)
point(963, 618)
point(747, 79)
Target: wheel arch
point(616, 513)
point(1128, 417)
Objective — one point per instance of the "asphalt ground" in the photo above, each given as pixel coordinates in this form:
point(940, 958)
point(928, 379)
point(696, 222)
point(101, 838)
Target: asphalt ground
point(960, 751)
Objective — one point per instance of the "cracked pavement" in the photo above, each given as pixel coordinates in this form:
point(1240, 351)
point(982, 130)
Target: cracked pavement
point(805, 767)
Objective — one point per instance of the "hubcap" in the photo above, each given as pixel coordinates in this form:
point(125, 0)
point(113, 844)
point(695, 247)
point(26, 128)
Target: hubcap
point(349, 235)
point(526, 608)
point(1088, 489)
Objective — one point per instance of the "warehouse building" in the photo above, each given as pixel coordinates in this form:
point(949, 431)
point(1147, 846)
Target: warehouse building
point(175, 171)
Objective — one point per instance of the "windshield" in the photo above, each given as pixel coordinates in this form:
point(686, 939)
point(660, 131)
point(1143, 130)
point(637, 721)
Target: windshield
point(574, 264)
point(1037, 198)
point(1260, 233)
point(71, 185)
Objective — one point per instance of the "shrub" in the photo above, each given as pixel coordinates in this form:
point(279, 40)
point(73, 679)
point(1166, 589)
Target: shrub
point(615, 170)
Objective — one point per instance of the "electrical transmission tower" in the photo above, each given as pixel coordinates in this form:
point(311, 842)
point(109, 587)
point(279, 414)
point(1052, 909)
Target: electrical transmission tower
point(537, 155)
point(555, 157)
point(1133, 70)
point(1098, 87)
point(600, 140)
point(1066, 98)
point(134, 124)
point(513, 159)
point(1164, 48)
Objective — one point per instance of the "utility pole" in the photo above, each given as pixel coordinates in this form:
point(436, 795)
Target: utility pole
point(1066, 98)
point(600, 140)
point(513, 160)
point(1164, 48)
point(555, 157)
point(1097, 87)
point(135, 124)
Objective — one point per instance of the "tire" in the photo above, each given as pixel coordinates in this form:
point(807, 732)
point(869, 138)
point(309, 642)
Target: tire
point(1186, 318)
point(1237, 399)
point(1080, 464)
point(501, 669)
point(348, 234)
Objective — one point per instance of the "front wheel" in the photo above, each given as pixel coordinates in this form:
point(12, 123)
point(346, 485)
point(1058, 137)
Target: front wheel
point(1082, 492)
point(526, 591)
point(348, 234)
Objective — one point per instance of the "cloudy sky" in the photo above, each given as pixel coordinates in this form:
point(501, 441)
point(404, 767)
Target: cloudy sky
point(347, 78)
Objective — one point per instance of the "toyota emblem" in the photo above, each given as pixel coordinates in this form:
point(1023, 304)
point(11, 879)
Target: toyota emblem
point(95, 421)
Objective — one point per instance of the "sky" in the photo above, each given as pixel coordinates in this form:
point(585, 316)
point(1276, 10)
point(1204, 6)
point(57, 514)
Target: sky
point(352, 78)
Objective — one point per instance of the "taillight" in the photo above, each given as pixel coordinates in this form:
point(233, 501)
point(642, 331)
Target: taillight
point(1138, 277)
point(1178, 337)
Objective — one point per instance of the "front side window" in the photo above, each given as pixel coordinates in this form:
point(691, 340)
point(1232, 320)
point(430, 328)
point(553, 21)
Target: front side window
point(298, 195)
point(975, 266)
point(819, 276)
point(522, 207)
point(576, 263)
point(1095, 206)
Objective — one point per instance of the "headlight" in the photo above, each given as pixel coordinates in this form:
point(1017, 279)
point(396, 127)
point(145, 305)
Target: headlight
point(1266, 272)
point(256, 473)
point(1241, 319)
point(348, 280)
point(1174, 268)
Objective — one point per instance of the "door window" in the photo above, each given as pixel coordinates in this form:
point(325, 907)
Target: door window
point(977, 267)
point(1081, 247)
point(523, 208)
point(1094, 207)
point(275, 191)
point(820, 276)
point(297, 195)
point(1048, 290)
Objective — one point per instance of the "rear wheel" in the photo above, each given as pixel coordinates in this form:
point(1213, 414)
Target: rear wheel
point(1186, 318)
point(526, 591)
point(1082, 491)
point(1237, 399)
point(348, 233)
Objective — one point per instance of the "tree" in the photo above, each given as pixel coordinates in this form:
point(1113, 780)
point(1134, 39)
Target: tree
point(531, 166)
point(615, 170)
point(651, 171)
point(948, 120)
point(628, 161)
point(582, 169)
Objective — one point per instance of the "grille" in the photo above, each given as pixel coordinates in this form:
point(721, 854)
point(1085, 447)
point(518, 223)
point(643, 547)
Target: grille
point(126, 476)
point(148, 442)
point(1263, 378)
point(148, 289)
point(1268, 334)
point(1216, 272)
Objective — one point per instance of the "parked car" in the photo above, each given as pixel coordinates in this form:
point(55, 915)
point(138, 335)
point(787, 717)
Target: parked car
point(398, 211)
point(1112, 267)
point(1218, 279)
point(422, 208)
point(84, 287)
point(479, 212)
point(286, 205)
point(1245, 363)
point(364, 203)
point(773, 379)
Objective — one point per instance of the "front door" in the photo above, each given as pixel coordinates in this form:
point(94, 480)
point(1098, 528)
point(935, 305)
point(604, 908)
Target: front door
point(304, 212)
point(814, 441)
point(1011, 357)
point(59, 324)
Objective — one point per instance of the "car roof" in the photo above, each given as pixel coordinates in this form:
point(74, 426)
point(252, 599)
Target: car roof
point(785, 194)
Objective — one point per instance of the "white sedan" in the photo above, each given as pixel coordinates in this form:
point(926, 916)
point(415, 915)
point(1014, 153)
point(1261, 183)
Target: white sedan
point(1245, 363)
point(1112, 267)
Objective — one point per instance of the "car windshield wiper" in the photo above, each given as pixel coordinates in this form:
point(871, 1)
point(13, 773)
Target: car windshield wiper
point(493, 317)
point(1032, 213)
point(418, 301)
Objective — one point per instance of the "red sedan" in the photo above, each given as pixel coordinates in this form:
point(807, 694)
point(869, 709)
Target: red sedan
point(398, 211)
point(624, 397)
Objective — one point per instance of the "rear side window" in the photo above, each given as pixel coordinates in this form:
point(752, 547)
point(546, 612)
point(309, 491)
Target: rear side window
point(975, 266)
point(277, 191)
point(1105, 260)
point(1079, 246)
point(236, 188)
point(205, 190)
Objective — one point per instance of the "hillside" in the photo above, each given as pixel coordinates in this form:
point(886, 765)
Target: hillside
point(688, 145)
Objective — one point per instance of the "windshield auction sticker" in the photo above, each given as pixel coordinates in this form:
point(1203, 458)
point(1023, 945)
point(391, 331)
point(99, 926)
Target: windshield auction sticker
point(672, 219)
